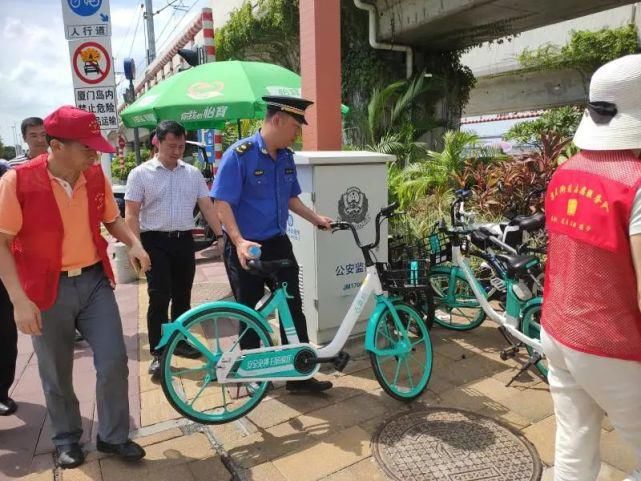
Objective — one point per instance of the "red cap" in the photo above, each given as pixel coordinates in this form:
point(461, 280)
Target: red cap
point(71, 123)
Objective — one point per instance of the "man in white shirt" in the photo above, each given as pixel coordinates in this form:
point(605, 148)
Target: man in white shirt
point(160, 199)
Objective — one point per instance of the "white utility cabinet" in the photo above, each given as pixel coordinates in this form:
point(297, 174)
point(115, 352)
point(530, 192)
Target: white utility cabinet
point(349, 186)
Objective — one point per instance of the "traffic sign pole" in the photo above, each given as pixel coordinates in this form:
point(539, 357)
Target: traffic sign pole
point(87, 25)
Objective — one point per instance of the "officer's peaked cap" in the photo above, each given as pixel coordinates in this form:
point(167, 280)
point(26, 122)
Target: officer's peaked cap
point(294, 106)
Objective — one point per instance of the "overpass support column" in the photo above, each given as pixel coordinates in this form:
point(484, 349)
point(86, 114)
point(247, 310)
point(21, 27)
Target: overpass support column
point(320, 63)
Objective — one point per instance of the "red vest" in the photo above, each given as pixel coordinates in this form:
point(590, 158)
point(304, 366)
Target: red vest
point(590, 297)
point(37, 248)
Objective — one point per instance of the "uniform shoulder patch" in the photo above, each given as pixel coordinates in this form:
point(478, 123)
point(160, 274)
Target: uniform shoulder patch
point(244, 147)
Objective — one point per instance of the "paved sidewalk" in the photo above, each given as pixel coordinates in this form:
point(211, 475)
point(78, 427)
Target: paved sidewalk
point(287, 437)
point(25, 439)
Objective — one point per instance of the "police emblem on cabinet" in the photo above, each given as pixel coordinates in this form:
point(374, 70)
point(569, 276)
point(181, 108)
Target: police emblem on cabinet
point(353, 207)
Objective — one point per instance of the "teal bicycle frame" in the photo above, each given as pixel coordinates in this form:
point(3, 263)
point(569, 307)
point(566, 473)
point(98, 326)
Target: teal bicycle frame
point(277, 362)
point(511, 319)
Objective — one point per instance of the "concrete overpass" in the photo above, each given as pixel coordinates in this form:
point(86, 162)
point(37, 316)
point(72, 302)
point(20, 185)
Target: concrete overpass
point(428, 25)
point(450, 24)
point(502, 85)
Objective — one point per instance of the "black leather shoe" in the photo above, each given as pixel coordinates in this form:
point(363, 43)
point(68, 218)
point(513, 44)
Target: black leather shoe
point(154, 368)
point(185, 350)
point(128, 451)
point(69, 456)
point(308, 385)
point(8, 407)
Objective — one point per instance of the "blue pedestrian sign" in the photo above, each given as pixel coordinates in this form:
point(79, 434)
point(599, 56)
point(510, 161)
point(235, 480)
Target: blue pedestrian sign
point(207, 138)
point(85, 19)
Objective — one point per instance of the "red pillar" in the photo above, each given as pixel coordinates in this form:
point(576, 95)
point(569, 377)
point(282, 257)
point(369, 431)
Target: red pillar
point(320, 65)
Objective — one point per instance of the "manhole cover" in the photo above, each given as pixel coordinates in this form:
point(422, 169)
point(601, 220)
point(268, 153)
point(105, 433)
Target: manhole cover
point(443, 444)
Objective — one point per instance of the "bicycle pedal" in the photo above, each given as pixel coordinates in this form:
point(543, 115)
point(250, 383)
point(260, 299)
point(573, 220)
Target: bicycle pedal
point(341, 360)
point(509, 353)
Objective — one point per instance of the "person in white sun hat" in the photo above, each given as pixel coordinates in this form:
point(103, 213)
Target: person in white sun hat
point(592, 301)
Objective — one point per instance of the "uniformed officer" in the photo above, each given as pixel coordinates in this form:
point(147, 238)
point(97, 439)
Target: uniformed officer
point(255, 188)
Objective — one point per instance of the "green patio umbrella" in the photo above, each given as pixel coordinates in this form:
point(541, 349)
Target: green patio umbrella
point(210, 95)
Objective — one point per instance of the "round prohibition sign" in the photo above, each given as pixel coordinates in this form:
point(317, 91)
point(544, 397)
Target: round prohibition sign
point(91, 58)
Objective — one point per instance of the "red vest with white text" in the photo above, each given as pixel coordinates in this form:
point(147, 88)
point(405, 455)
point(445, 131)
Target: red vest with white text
point(590, 297)
point(37, 249)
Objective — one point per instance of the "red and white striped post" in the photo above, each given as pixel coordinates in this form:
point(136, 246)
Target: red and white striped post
point(208, 35)
point(209, 44)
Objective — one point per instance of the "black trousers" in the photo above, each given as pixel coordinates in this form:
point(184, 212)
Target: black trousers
point(248, 289)
point(8, 344)
point(170, 279)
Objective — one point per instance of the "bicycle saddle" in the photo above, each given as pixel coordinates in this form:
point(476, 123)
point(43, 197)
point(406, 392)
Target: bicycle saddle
point(480, 238)
point(531, 222)
point(517, 264)
point(267, 268)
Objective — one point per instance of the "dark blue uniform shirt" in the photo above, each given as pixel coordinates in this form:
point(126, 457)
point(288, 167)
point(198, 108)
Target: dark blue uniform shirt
point(257, 187)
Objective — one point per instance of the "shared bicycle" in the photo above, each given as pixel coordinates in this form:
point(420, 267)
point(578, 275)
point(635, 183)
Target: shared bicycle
point(228, 381)
point(462, 301)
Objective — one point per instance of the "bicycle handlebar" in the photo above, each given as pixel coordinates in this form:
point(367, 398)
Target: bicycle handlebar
point(385, 213)
point(455, 231)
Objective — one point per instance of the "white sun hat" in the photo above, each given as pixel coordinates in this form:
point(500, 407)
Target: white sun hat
point(612, 119)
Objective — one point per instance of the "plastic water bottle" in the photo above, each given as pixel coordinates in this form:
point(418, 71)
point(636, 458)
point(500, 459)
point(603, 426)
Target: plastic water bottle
point(522, 291)
point(414, 273)
point(254, 252)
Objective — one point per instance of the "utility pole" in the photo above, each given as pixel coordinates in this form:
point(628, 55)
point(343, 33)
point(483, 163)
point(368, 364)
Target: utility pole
point(16, 141)
point(130, 96)
point(151, 36)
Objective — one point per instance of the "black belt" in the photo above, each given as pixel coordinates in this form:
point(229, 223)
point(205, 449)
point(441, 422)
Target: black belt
point(172, 234)
point(277, 238)
point(82, 270)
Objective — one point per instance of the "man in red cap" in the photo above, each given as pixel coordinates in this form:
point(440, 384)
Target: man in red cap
point(54, 264)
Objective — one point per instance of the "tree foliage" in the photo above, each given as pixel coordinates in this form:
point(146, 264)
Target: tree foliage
point(265, 31)
point(562, 121)
point(440, 172)
point(9, 152)
point(121, 166)
point(585, 50)
point(248, 127)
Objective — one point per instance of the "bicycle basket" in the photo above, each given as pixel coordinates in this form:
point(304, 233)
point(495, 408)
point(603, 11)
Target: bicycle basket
point(439, 246)
point(397, 252)
point(400, 255)
point(412, 275)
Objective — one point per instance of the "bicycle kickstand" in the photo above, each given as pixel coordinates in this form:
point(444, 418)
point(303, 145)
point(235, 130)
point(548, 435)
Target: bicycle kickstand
point(534, 358)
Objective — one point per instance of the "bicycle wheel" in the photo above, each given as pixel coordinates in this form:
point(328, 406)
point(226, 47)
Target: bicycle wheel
point(190, 385)
point(422, 300)
point(460, 313)
point(402, 376)
point(531, 327)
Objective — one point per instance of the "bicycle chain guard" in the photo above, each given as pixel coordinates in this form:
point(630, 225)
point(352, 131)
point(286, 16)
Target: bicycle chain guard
point(267, 364)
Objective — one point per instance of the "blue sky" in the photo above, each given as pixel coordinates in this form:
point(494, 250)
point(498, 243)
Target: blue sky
point(35, 73)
